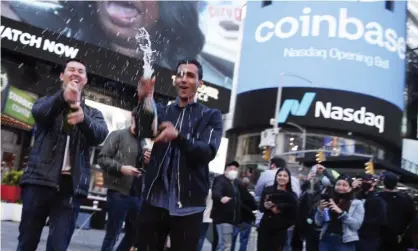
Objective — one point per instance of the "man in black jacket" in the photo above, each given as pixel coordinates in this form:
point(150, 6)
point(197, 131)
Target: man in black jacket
point(177, 180)
point(226, 209)
point(117, 159)
point(58, 171)
point(375, 213)
point(400, 213)
point(248, 205)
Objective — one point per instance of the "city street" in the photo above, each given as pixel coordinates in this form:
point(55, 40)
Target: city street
point(82, 239)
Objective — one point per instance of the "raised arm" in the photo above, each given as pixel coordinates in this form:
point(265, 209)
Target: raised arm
point(203, 149)
point(45, 109)
point(93, 127)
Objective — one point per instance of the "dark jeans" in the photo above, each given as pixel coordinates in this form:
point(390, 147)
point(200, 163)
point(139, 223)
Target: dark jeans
point(335, 243)
point(203, 231)
point(156, 223)
point(40, 202)
point(367, 244)
point(215, 238)
point(312, 240)
point(120, 208)
point(244, 231)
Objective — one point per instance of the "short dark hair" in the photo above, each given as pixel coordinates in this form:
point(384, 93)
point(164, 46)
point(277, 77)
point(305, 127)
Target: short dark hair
point(192, 61)
point(232, 163)
point(390, 180)
point(73, 60)
point(278, 162)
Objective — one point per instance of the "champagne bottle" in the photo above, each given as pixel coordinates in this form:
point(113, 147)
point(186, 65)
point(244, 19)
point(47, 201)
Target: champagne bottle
point(148, 116)
point(67, 128)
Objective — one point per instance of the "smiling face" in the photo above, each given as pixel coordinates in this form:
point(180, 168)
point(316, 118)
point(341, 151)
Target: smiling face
point(74, 71)
point(122, 19)
point(282, 178)
point(187, 82)
point(342, 186)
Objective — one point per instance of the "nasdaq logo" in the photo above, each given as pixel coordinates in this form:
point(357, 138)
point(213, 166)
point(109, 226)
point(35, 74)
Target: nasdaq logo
point(295, 108)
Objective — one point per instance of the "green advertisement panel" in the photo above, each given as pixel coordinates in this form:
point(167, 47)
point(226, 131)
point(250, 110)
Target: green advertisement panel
point(19, 105)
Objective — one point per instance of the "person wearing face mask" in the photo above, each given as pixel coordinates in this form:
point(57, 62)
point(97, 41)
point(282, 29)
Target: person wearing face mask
point(226, 209)
point(340, 218)
point(375, 213)
point(278, 203)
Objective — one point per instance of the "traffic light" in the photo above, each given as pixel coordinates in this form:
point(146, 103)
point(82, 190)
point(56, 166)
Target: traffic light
point(267, 153)
point(320, 157)
point(369, 167)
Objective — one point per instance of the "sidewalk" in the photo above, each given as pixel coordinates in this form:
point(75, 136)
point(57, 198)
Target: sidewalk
point(83, 240)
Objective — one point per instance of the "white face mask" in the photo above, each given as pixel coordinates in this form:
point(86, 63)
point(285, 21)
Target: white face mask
point(232, 175)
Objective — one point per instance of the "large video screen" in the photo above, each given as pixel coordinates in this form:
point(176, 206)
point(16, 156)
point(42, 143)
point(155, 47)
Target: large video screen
point(354, 46)
point(207, 30)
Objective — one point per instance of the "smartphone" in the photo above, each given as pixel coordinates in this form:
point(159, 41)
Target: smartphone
point(325, 196)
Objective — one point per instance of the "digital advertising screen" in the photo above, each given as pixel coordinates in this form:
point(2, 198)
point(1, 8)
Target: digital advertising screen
point(207, 30)
point(352, 46)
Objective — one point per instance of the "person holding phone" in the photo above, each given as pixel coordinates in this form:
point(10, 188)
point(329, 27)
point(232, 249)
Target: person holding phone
point(117, 159)
point(278, 203)
point(340, 217)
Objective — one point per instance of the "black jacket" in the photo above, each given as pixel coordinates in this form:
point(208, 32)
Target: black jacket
point(231, 211)
point(248, 205)
point(400, 212)
point(120, 148)
point(46, 157)
point(286, 203)
point(374, 217)
point(200, 133)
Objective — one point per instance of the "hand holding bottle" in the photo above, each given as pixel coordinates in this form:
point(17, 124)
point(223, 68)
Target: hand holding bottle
point(71, 92)
point(146, 87)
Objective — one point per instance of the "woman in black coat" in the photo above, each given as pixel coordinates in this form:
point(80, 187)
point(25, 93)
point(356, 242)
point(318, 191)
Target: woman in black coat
point(279, 205)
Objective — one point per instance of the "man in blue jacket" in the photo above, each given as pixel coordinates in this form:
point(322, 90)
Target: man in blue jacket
point(58, 171)
point(177, 178)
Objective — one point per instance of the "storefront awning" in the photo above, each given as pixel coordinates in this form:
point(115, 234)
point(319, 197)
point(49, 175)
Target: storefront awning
point(7, 120)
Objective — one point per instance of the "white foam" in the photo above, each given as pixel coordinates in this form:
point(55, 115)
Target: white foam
point(144, 42)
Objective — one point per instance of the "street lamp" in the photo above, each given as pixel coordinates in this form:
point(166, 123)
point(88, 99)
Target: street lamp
point(274, 121)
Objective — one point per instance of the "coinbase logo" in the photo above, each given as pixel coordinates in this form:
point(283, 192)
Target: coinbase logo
point(296, 108)
point(307, 25)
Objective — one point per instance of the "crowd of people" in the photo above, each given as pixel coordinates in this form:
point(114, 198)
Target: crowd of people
point(319, 212)
point(164, 194)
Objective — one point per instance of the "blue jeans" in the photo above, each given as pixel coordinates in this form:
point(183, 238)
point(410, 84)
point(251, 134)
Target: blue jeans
point(244, 230)
point(120, 208)
point(225, 236)
point(203, 230)
point(39, 202)
point(335, 243)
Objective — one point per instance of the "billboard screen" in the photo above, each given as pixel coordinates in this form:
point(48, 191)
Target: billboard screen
point(350, 46)
point(207, 30)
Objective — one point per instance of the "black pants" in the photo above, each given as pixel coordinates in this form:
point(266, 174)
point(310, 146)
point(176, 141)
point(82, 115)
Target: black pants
point(39, 202)
point(271, 240)
point(156, 223)
point(312, 240)
point(389, 243)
